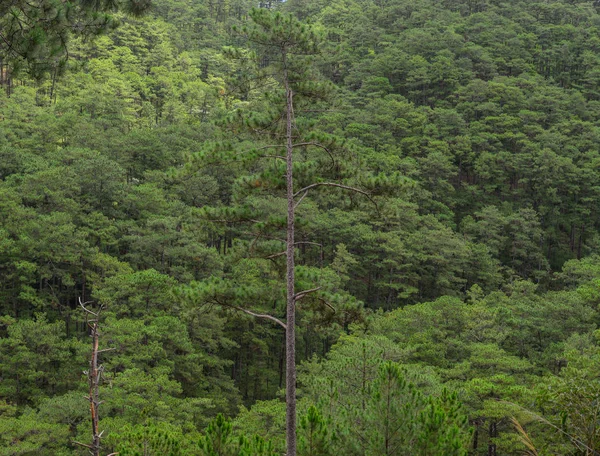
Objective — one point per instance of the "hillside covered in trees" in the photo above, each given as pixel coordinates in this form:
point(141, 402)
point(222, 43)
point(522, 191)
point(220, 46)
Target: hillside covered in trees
point(446, 163)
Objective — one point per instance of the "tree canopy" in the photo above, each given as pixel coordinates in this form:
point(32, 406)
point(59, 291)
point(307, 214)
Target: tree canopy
point(446, 175)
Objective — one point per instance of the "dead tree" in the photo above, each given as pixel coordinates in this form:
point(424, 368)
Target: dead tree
point(94, 375)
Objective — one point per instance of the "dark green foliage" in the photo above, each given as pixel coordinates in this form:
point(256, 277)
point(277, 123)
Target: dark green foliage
point(37, 360)
point(36, 34)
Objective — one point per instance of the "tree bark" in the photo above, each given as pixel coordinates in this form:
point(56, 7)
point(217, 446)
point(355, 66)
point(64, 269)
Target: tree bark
point(94, 381)
point(290, 335)
point(94, 376)
point(493, 432)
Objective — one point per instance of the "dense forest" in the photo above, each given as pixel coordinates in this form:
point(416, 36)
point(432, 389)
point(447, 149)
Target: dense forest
point(446, 163)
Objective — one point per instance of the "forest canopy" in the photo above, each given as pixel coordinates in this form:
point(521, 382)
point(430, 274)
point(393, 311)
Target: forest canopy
point(446, 167)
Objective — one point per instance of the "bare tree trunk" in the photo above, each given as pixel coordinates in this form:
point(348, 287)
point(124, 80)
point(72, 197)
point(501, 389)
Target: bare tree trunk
point(94, 376)
point(290, 342)
point(94, 381)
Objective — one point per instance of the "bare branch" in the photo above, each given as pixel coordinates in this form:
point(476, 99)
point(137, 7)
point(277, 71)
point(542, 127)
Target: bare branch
point(275, 238)
point(278, 157)
point(82, 304)
point(320, 146)
point(275, 255)
point(249, 312)
point(301, 294)
point(238, 220)
point(303, 144)
point(265, 316)
point(333, 184)
point(330, 184)
point(271, 146)
point(309, 243)
point(328, 305)
point(94, 375)
point(300, 200)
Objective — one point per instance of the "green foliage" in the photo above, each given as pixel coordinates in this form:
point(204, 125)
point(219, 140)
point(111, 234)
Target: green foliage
point(388, 415)
point(37, 360)
point(144, 173)
point(148, 440)
point(219, 440)
point(36, 34)
point(27, 434)
point(315, 434)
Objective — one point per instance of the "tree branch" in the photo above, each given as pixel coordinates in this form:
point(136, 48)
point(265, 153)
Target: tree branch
point(333, 184)
point(265, 316)
point(249, 312)
point(82, 304)
point(300, 200)
point(279, 157)
point(330, 184)
point(278, 254)
point(319, 145)
point(327, 304)
point(301, 294)
point(275, 255)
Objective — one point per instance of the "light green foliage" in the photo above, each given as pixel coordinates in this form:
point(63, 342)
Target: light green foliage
point(219, 440)
point(570, 400)
point(393, 418)
point(148, 440)
point(316, 436)
point(265, 418)
point(374, 406)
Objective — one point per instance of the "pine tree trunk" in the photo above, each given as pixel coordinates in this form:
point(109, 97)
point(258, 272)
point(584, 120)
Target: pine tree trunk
point(290, 389)
point(94, 381)
point(94, 375)
point(493, 433)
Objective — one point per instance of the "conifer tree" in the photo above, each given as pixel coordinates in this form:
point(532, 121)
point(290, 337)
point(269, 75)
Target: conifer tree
point(35, 34)
point(283, 49)
point(316, 437)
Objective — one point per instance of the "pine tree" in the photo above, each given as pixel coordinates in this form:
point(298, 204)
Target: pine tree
point(316, 437)
point(35, 34)
point(282, 52)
